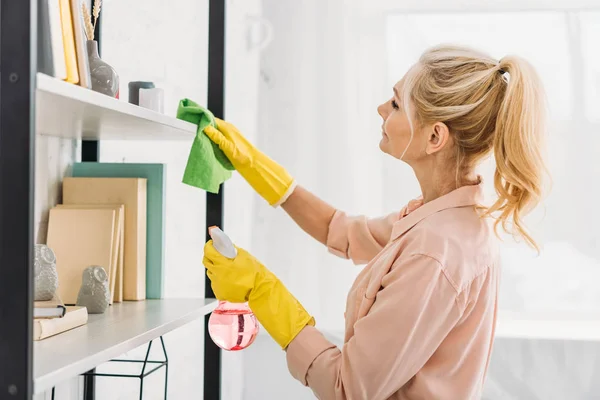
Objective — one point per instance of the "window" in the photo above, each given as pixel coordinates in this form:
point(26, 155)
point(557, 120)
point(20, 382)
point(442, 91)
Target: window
point(562, 48)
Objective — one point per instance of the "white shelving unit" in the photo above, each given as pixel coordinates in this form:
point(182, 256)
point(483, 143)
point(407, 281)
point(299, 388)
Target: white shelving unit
point(67, 110)
point(43, 119)
point(123, 327)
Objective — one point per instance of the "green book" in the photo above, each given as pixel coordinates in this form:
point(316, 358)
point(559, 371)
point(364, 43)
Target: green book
point(156, 185)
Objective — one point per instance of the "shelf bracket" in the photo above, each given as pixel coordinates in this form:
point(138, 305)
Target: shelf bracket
point(148, 367)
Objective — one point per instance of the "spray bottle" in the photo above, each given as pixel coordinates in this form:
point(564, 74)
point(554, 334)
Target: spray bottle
point(231, 326)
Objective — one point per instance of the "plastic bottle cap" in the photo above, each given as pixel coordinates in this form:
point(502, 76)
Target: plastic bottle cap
point(222, 243)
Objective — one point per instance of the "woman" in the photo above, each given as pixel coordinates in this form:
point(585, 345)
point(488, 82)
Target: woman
point(420, 317)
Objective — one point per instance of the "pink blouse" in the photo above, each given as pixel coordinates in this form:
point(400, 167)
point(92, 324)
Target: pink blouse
point(420, 317)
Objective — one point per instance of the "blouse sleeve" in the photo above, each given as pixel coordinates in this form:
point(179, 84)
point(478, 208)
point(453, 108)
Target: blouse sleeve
point(359, 238)
point(412, 314)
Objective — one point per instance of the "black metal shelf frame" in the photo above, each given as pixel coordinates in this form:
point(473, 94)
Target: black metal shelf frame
point(214, 202)
point(18, 67)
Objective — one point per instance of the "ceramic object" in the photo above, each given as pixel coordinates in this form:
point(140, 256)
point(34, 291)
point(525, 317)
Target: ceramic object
point(134, 90)
point(94, 293)
point(104, 77)
point(152, 99)
point(45, 274)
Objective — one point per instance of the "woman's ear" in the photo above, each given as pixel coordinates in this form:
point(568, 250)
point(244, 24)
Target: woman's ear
point(439, 135)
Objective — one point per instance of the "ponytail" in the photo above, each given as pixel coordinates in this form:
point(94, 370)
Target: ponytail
point(517, 143)
point(488, 106)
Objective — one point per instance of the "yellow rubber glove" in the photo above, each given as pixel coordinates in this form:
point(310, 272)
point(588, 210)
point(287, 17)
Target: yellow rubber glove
point(243, 279)
point(267, 178)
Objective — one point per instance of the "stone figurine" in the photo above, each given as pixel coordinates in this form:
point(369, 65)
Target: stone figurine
point(94, 293)
point(45, 274)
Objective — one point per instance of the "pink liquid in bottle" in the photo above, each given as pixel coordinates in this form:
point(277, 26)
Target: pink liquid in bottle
point(232, 326)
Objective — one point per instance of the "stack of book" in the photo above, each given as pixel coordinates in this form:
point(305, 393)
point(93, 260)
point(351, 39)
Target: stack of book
point(112, 215)
point(83, 235)
point(62, 50)
point(53, 317)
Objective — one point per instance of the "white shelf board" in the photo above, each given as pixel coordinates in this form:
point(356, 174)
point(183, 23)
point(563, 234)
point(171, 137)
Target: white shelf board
point(563, 326)
point(67, 110)
point(569, 326)
point(123, 327)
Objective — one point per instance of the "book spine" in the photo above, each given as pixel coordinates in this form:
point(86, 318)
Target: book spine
point(69, 41)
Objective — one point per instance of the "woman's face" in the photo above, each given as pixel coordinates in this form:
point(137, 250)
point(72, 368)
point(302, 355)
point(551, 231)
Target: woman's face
point(395, 130)
point(426, 140)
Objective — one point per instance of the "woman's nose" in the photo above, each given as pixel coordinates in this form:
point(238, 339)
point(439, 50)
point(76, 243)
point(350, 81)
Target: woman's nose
point(381, 111)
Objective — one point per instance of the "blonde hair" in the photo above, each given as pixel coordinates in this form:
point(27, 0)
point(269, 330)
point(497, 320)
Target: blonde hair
point(486, 104)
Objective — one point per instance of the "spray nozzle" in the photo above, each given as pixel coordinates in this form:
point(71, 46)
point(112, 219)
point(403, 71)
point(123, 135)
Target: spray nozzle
point(222, 243)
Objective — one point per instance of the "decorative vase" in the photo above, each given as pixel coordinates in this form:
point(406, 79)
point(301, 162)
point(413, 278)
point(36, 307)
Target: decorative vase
point(45, 274)
point(94, 293)
point(104, 77)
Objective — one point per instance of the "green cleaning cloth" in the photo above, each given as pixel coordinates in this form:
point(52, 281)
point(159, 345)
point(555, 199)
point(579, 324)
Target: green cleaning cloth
point(207, 167)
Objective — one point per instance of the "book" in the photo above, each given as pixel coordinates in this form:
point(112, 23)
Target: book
point(131, 192)
point(45, 62)
point(49, 309)
point(116, 267)
point(118, 293)
point(50, 34)
point(69, 41)
point(155, 214)
point(74, 317)
point(83, 63)
point(80, 238)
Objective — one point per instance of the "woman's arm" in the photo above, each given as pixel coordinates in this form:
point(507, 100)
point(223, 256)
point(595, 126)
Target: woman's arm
point(311, 213)
point(356, 238)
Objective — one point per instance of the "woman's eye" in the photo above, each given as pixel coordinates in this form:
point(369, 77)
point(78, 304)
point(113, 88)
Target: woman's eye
point(395, 105)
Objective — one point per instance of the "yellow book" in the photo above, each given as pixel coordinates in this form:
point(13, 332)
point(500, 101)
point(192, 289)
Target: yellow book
point(83, 64)
point(118, 293)
point(69, 41)
point(80, 238)
point(116, 268)
point(130, 192)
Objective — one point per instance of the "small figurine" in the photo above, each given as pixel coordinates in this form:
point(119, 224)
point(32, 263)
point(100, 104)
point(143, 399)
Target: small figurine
point(45, 274)
point(94, 293)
